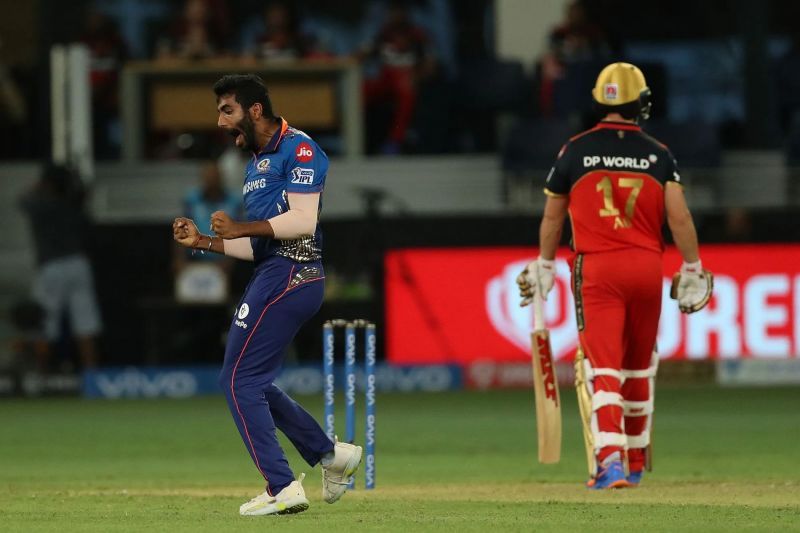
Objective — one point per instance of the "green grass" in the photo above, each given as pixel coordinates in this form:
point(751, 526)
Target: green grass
point(725, 459)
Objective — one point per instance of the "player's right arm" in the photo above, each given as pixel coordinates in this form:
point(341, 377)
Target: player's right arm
point(693, 285)
point(680, 222)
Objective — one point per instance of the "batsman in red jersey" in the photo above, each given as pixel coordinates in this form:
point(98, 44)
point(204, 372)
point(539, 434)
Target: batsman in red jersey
point(618, 185)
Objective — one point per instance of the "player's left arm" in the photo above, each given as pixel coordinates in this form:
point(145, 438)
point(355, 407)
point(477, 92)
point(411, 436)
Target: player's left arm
point(557, 188)
point(305, 180)
point(300, 220)
point(185, 233)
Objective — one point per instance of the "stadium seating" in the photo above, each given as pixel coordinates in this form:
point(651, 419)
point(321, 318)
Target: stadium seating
point(694, 144)
point(486, 88)
point(530, 148)
point(792, 145)
point(492, 85)
point(532, 145)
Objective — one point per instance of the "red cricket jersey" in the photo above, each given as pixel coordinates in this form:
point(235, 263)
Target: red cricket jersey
point(614, 175)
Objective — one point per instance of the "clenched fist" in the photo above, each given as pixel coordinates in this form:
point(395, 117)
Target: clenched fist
point(224, 226)
point(185, 232)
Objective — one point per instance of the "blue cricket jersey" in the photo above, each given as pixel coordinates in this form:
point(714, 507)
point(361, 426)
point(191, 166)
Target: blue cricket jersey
point(291, 162)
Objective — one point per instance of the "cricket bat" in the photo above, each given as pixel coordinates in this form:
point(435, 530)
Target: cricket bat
point(545, 387)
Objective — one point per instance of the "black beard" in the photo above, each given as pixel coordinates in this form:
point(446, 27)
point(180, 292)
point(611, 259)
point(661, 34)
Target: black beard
point(248, 130)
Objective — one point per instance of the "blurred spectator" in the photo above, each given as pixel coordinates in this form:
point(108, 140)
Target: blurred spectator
point(199, 32)
point(738, 225)
point(12, 103)
point(63, 285)
point(29, 345)
point(13, 113)
point(788, 84)
point(577, 39)
point(277, 36)
point(405, 59)
point(199, 204)
point(108, 52)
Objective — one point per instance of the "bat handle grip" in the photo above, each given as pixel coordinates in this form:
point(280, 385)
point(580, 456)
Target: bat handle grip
point(538, 311)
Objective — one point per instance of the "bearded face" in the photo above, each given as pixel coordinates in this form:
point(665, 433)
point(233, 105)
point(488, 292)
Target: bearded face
point(237, 122)
point(244, 134)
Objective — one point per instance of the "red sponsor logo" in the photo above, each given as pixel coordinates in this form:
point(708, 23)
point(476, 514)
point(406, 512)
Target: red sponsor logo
point(304, 153)
point(611, 91)
point(546, 367)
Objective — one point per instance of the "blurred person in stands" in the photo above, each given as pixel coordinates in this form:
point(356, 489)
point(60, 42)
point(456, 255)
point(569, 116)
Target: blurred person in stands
point(738, 225)
point(788, 86)
point(108, 53)
point(200, 202)
point(63, 285)
point(277, 36)
point(576, 39)
point(405, 58)
point(199, 32)
point(28, 343)
point(13, 113)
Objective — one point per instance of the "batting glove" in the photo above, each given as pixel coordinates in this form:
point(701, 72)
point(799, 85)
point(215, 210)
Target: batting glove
point(692, 287)
point(539, 275)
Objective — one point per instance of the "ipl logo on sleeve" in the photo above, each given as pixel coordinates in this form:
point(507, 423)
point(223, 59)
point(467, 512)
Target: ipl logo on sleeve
point(303, 176)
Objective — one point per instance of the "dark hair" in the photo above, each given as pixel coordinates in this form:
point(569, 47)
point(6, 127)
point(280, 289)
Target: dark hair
point(247, 89)
point(639, 108)
point(629, 111)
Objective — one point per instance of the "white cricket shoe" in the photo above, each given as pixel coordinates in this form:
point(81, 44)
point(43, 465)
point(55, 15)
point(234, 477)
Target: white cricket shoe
point(290, 500)
point(338, 475)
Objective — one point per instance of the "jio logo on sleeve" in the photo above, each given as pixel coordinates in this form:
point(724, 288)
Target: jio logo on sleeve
point(304, 152)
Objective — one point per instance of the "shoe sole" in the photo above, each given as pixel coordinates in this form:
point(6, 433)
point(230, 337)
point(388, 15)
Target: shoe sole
point(353, 468)
point(281, 509)
point(619, 484)
point(294, 509)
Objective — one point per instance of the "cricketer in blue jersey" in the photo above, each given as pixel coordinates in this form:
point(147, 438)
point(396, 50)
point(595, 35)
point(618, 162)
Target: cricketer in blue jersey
point(282, 190)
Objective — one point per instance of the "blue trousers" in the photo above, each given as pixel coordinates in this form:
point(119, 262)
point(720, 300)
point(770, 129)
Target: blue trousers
point(281, 296)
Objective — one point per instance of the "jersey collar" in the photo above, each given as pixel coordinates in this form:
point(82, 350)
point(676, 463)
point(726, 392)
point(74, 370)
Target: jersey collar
point(272, 145)
point(611, 125)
